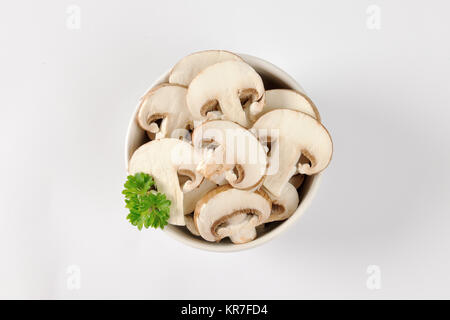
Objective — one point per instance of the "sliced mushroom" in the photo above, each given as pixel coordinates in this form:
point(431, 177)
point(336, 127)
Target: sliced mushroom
point(228, 212)
point(191, 198)
point(230, 90)
point(163, 160)
point(163, 110)
point(190, 225)
point(236, 154)
point(293, 133)
point(285, 205)
point(188, 67)
point(289, 99)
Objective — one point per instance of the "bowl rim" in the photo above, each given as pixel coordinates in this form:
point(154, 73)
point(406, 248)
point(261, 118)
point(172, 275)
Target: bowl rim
point(174, 231)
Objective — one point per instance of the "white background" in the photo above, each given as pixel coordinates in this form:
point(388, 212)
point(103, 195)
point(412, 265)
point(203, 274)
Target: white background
point(67, 95)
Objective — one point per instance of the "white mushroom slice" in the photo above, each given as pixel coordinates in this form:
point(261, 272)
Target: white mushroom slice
point(231, 88)
point(190, 66)
point(191, 198)
point(293, 133)
point(285, 205)
point(236, 154)
point(297, 180)
point(163, 110)
point(163, 159)
point(289, 99)
point(228, 212)
point(190, 225)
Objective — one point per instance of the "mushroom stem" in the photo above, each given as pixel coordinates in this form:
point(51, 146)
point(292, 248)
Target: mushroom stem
point(239, 227)
point(278, 176)
point(234, 110)
point(245, 233)
point(153, 127)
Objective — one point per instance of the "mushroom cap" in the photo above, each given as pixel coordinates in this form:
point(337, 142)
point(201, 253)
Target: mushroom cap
point(226, 88)
point(165, 103)
point(285, 205)
point(228, 212)
point(187, 68)
point(163, 159)
point(238, 156)
point(297, 134)
point(289, 99)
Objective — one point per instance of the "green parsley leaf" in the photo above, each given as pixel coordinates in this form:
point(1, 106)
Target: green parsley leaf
point(148, 208)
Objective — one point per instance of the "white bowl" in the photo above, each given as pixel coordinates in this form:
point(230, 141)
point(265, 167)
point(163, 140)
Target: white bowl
point(273, 77)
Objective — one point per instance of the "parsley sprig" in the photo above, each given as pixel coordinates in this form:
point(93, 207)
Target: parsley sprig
point(148, 208)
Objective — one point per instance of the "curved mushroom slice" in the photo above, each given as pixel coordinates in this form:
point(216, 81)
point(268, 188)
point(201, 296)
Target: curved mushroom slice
point(297, 180)
point(228, 212)
point(293, 133)
point(191, 198)
point(190, 66)
point(285, 205)
point(289, 99)
point(190, 225)
point(228, 90)
point(162, 160)
point(232, 152)
point(163, 110)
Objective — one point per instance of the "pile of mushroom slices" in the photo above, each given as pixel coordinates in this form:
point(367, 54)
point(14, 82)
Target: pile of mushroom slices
point(218, 90)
